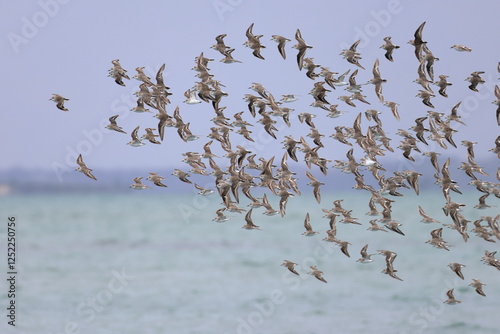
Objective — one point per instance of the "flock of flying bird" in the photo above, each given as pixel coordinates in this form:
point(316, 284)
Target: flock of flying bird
point(281, 181)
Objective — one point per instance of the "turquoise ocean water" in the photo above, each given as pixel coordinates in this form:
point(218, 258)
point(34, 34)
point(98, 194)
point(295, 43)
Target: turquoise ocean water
point(151, 263)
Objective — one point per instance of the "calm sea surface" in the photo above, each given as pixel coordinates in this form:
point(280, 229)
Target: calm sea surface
point(152, 263)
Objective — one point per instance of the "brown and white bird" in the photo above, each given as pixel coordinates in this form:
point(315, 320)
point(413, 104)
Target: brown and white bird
point(309, 231)
point(451, 298)
point(290, 266)
point(281, 44)
point(137, 185)
point(457, 268)
point(394, 108)
point(316, 186)
point(59, 100)
point(343, 247)
point(156, 179)
point(83, 168)
point(377, 80)
point(425, 217)
point(375, 227)
point(136, 141)
point(302, 47)
point(253, 42)
point(351, 55)
point(476, 284)
point(497, 103)
point(460, 48)
point(417, 42)
point(475, 79)
point(422, 78)
point(150, 136)
point(316, 273)
point(443, 84)
point(249, 223)
point(389, 48)
point(365, 257)
point(181, 175)
point(113, 126)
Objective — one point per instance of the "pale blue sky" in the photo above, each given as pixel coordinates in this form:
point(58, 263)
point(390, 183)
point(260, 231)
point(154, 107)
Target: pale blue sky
point(70, 52)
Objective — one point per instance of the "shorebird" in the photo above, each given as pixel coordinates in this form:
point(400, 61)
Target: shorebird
point(451, 299)
point(190, 95)
point(228, 57)
point(316, 186)
point(375, 227)
point(253, 42)
point(394, 226)
point(117, 72)
point(394, 108)
point(287, 98)
point(478, 286)
point(433, 159)
point(457, 268)
point(141, 76)
point(497, 103)
point(420, 129)
point(203, 191)
point(113, 126)
point(316, 273)
point(59, 100)
point(136, 141)
point(365, 257)
point(460, 48)
point(389, 270)
point(309, 231)
point(377, 80)
point(290, 266)
point(454, 116)
point(249, 223)
point(436, 239)
point(137, 185)
point(150, 136)
point(417, 42)
point(83, 168)
point(389, 48)
point(425, 217)
point(221, 217)
point(422, 78)
point(269, 210)
point(302, 47)
point(482, 202)
point(220, 45)
point(475, 79)
point(140, 107)
point(443, 84)
point(181, 175)
point(281, 44)
point(156, 179)
point(343, 246)
point(351, 55)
